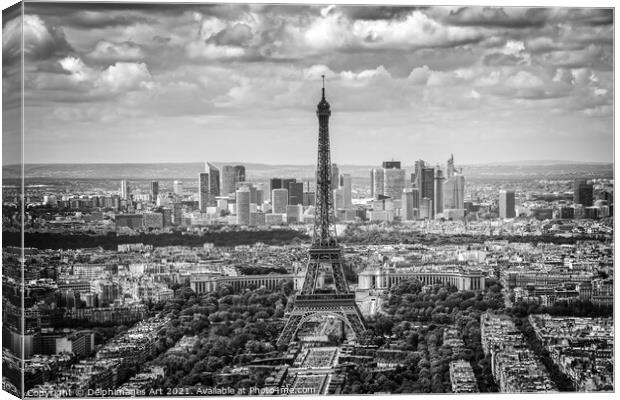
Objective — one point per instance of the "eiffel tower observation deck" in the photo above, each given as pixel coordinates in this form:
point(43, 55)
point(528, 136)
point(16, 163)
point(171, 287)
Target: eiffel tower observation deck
point(325, 254)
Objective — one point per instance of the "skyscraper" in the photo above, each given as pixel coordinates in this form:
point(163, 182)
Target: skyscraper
point(438, 203)
point(177, 187)
point(335, 176)
point(338, 198)
point(583, 193)
point(377, 178)
point(295, 193)
point(393, 180)
point(391, 164)
point(124, 190)
point(419, 165)
point(242, 198)
point(454, 192)
point(208, 187)
point(346, 186)
point(450, 167)
point(154, 190)
point(231, 177)
point(506, 204)
point(280, 200)
point(426, 186)
point(407, 207)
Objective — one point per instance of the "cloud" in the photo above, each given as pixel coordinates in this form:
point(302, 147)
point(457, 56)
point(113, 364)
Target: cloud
point(420, 75)
point(496, 17)
point(40, 42)
point(124, 51)
point(236, 35)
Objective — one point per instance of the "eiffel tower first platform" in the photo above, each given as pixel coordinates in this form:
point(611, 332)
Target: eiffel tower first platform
point(325, 253)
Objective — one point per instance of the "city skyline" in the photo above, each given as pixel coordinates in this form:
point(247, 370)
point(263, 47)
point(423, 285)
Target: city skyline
point(237, 78)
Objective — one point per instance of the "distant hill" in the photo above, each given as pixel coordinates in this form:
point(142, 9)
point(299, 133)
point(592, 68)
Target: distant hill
point(167, 171)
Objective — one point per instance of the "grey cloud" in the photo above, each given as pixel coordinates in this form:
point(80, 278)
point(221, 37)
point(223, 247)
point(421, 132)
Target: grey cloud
point(236, 35)
point(497, 17)
point(376, 12)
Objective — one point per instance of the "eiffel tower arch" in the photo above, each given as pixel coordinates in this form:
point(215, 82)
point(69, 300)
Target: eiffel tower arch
point(324, 253)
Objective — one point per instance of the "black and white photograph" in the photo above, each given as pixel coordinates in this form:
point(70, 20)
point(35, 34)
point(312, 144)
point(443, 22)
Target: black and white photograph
point(268, 199)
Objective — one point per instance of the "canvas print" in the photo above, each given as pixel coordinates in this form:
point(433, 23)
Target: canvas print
point(207, 199)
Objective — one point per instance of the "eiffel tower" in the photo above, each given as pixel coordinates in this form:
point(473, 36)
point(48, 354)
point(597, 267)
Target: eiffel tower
point(324, 252)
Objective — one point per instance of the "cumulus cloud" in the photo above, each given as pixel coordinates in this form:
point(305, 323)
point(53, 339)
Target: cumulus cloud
point(40, 42)
point(124, 51)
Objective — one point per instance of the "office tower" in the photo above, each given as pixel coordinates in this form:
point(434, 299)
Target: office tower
point(418, 166)
point(438, 201)
point(583, 193)
point(177, 187)
point(391, 164)
point(294, 213)
point(177, 213)
point(154, 190)
point(335, 176)
point(295, 193)
point(426, 208)
point(251, 188)
point(338, 198)
point(228, 179)
point(454, 192)
point(506, 204)
point(239, 173)
point(407, 205)
point(208, 187)
point(260, 195)
point(426, 186)
point(346, 186)
point(203, 191)
point(393, 181)
point(242, 198)
point(450, 171)
point(416, 198)
point(275, 183)
point(231, 177)
point(214, 180)
point(309, 198)
point(377, 177)
point(280, 200)
point(124, 190)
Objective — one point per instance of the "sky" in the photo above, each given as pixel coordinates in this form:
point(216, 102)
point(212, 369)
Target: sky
point(126, 83)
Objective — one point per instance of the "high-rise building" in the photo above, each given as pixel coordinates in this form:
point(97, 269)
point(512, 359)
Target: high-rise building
point(391, 164)
point(450, 171)
point(407, 205)
point(426, 186)
point(338, 198)
point(335, 176)
point(454, 192)
point(506, 204)
point(426, 208)
point(438, 201)
point(418, 166)
point(275, 183)
point(231, 177)
point(345, 182)
point(177, 188)
point(295, 193)
point(583, 193)
point(393, 181)
point(280, 200)
point(309, 198)
point(154, 190)
point(376, 179)
point(124, 190)
point(208, 187)
point(242, 198)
